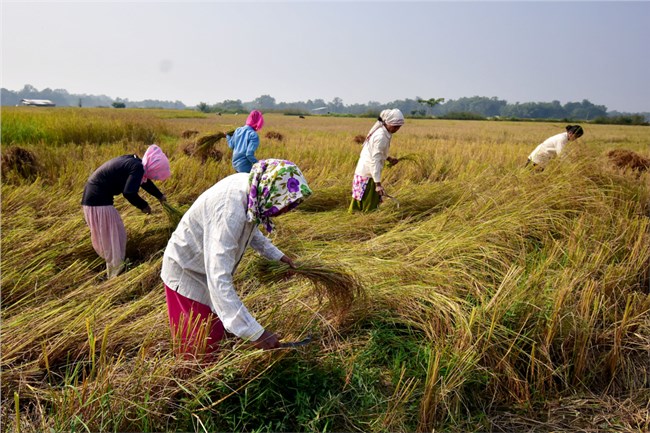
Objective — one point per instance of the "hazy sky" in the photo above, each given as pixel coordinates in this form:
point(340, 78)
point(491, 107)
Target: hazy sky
point(365, 51)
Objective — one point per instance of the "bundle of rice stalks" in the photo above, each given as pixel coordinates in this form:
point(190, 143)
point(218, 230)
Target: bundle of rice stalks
point(174, 215)
point(189, 133)
point(623, 158)
point(209, 140)
point(359, 139)
point(21, 161)
point(407, 157)
point(205, 147)
point(339, 285)
point(272, 135)
point(190, 149)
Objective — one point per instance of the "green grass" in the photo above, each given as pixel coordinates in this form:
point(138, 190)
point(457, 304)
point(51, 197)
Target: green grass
point(495, 298)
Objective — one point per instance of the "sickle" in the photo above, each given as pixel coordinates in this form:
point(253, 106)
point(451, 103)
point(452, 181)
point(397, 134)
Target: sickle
point(289, 344)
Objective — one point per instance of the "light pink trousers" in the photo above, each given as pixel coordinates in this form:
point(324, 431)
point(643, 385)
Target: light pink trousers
point(108, 236)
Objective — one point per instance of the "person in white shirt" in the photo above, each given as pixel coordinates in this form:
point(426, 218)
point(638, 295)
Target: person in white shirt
point(367, 189)
point(203, 253)
point(553, 146)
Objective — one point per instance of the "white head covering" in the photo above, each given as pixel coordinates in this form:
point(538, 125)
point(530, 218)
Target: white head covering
point(393, 117)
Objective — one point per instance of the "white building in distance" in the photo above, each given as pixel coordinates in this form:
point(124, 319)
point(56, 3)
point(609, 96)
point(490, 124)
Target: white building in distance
point(38, 102)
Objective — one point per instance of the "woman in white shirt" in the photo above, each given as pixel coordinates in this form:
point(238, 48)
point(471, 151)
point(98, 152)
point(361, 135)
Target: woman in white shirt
point(367, 190)
point(553, 146)
point(203, 253)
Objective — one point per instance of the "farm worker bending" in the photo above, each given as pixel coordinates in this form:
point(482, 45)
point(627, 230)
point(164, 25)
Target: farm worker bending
point(367, 190)
point(203, 253)
point(122, 175)
point(553, 146)
point(244, 142)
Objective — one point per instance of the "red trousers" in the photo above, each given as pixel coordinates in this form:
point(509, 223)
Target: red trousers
point(196, 330)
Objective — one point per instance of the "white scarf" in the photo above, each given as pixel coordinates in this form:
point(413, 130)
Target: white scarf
point(392, 117)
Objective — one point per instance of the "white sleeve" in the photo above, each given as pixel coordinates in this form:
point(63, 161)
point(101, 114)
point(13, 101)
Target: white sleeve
point(264, 246)
point(378, 148)
point(559, 145)
point(222, 237)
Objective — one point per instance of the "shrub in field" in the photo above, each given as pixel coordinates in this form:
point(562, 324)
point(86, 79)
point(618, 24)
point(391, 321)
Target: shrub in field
point(633, 119)
point(462, 115)
point(359, 139)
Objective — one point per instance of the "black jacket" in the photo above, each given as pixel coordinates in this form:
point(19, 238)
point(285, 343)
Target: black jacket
point(121, 175)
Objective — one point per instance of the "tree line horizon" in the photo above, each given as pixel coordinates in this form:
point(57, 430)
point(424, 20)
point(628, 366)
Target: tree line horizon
point(470, 108)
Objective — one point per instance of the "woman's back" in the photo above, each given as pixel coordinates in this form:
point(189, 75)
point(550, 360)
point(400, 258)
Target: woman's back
point(244, 142)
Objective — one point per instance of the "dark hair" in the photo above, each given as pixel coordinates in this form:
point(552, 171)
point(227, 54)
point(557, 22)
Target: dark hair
point(575, 130)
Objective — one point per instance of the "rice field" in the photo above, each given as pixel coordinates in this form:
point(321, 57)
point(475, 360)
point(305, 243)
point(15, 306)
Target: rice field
point(486, 297)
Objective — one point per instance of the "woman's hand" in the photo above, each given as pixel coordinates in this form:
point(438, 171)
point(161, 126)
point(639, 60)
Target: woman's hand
point(146, 210)
point(380, 189)
point(288, 261)
point(392, 161)
point(162, 199)
point(267, 341)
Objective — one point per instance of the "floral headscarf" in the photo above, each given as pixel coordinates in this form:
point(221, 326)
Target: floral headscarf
point(276, 184)
point(156, 164)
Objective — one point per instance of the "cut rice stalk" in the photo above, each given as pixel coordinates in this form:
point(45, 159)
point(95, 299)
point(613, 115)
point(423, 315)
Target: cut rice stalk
point(209, 140)
point(173, 214)
point(339, 285)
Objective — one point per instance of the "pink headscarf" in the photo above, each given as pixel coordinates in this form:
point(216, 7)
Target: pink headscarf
point(156, 164)
point(255, 120)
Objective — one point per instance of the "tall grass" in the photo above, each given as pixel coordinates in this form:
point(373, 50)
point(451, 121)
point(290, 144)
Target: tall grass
point(496, 298)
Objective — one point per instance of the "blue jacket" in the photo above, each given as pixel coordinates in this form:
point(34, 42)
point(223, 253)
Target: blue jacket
point(244, 143)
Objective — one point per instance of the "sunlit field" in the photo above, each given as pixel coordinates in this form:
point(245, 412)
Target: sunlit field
point(495, 298)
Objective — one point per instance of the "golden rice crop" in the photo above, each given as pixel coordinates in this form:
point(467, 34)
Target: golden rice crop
point(340, 286)
point(492, 298)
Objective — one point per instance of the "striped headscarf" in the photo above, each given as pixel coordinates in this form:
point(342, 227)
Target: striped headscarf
point(156, 164)
point(276, 185)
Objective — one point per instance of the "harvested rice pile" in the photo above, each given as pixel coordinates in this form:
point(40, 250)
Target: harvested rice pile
point(359, 139)
point(272, 135)
point(189, 133)
point(21, 161)
point(623, 158)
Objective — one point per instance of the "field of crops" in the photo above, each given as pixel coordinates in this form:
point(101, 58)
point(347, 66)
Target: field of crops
point(494, 298)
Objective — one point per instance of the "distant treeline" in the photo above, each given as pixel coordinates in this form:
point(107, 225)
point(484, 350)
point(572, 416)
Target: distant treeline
point(62, 98)
point(466, 108)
